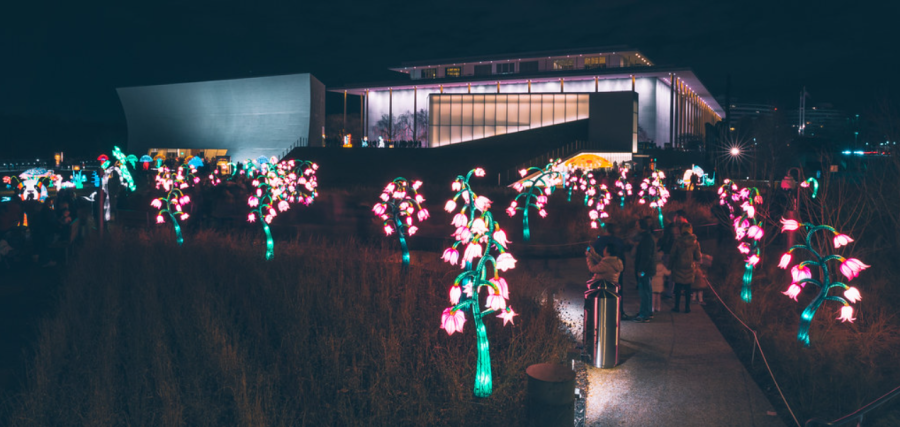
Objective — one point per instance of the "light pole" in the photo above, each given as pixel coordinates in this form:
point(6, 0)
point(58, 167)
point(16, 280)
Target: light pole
point(788, 184)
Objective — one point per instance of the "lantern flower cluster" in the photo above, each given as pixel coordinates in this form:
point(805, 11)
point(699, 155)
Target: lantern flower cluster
point(480, 238)
point(173, 182)
point(623, 187)
point(597, 197)
point(811, 182)
point(653, 193)
point(748, 230)
point(802, 275)
point(276, 186)
point(533, 192)
point(400, 203)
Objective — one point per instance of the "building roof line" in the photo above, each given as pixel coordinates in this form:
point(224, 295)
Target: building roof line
point(519, 55)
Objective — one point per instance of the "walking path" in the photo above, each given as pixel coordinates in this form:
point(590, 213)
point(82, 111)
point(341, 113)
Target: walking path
point(676, 370)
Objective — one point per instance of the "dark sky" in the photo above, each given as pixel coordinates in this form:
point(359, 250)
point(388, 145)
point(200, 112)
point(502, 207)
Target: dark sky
point(66, 59)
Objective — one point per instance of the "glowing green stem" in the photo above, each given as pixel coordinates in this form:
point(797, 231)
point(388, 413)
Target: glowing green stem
point(483, 380)
point(402, 242)
point(746, 293)
point(526, 233)
point(270, 244)
point(659, 211)
point(178, 238)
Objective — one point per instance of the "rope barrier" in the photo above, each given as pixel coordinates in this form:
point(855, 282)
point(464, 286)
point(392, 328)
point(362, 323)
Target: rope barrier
point(761, 353)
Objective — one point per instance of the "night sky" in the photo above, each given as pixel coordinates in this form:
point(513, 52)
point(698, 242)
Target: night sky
point(65, 60)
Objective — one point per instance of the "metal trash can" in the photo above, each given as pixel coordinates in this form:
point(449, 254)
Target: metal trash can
point(551, 395)
point(601, 325)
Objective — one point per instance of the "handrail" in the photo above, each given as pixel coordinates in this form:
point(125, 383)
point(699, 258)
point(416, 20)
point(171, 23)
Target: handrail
point(857, 415)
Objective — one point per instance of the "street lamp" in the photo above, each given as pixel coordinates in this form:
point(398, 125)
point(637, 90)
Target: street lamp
point(735, 151)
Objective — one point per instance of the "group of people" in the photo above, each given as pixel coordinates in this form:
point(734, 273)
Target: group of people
point(667, 267)
point(39, 231)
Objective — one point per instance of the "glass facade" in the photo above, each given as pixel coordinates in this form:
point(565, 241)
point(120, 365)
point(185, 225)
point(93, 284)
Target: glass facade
point(464, 117)
point(452, 72)
point(429, 73)
point(508, 68)
point(594, 62)
point(563, 64)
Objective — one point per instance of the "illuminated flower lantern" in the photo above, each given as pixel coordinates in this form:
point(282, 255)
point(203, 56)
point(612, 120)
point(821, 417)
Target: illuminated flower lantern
point(811, 182)
point(748, 230)
point(623, 187)
point(173, 182)
point(728, 196)
point(574, 181)
point(533, 192)
point(31, 184)
point(818, 258)
point(400, 203)
point(276, 186)
point(480, 235)
point(597, 197)
point(653, 193)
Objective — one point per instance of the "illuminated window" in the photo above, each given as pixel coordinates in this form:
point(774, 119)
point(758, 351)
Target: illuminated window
point(563, 64)
point(429, 73)
point(595, 62)
point(528, 67)
point(507, 68)
point(483, 70)
point(452, 72)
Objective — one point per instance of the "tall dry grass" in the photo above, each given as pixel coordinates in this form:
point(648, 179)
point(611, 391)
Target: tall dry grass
point(149, 334)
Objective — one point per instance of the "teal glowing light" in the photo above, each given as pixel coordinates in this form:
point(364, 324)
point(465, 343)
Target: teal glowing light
point(121, 166)
point(400, 203)
point(472, 230)
point(747, 229)
point(654, 193)
point(802, 276)
point(531, 195)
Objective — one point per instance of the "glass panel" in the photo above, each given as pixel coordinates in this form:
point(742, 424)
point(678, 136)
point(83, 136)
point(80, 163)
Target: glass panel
point(467, 133)
point(571, 107)
point(595, 62)
point(501, 130)
point(434, 109)
point(524, 111)
point(445, 135)
point(489, 111)
point(455, 134)
point(467, 111)
point(547, 110)
point(455, 110)
point(536, 111)
point(478, 132)
point(478, 111)
point(429, 73)
point(489, 131)
point(563, 64)
point(583, 107)
point(528, 67)
point(452, 71)
point(501, 110)
point(513, 110)
point(559, 109)
point(444, 111)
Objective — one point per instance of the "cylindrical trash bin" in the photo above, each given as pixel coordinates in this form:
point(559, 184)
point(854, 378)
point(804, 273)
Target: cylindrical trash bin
point(551, 395)
point(601, 326)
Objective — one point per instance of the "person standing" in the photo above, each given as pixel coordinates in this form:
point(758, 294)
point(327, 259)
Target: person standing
point(606, 267)
point(685, 253)
point(645, 268)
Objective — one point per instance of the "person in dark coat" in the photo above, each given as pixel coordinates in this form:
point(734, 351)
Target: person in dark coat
point(685, 253)
point(645, 268)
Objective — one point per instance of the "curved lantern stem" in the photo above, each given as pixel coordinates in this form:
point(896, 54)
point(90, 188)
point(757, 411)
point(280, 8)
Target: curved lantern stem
point(270, 244)
point(526, 232)
point(403, 246)
point(746, 293)
point(483, 376)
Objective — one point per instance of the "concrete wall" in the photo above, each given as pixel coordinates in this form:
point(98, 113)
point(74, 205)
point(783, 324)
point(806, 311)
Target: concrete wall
point(252, 117)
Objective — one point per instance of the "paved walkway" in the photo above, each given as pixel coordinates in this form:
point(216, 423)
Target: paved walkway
point(677, 370)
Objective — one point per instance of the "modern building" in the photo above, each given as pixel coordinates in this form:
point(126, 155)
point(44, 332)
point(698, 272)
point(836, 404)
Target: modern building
point(240, 118)
point(821, 120)
point(451, 101)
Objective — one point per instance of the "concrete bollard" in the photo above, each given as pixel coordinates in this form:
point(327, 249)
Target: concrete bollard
point(551, 395)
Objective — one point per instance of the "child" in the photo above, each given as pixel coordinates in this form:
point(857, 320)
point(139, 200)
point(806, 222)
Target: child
point(700, 279)
point(657, 282)
point(606, 267)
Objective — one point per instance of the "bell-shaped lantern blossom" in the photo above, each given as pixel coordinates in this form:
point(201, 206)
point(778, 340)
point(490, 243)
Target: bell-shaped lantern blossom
point(502, 286)
point(500, 237)
point(479, 172)
point(852, 294)
point(841, 240)
point(846, 314)
point(423, 214)
point(452, 321)
point(789, 225)
point(379, 209)
point(505, 261)
point(455, 293)
point(799, 273)
point(494, 301)
point(251, 217)
point(160, 219)
point(388, 230)
point(852, 267)
point(473, 250)
point(450, 206)
point(478, 226)
point(450, 255)
point(793, 291)
point(459, 220)
point(785, 261)
point(482, 203)
point(744, 248)
point(753, 260)
point(755, 232)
